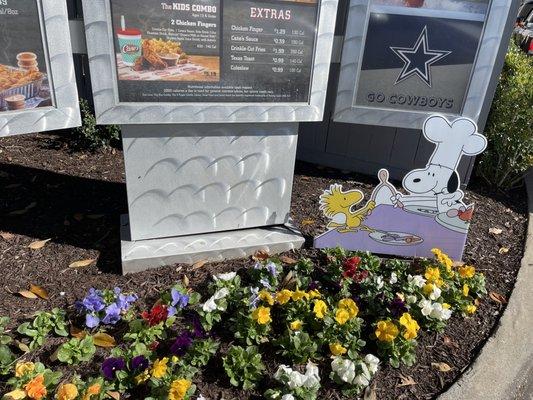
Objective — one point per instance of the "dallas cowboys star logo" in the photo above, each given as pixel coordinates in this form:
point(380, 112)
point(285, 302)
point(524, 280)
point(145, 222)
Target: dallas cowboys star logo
point(418, 59)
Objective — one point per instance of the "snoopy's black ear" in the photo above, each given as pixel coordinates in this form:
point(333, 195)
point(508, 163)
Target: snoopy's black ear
point(453, 182)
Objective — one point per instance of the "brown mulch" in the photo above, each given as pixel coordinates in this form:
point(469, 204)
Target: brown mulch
point(76, 198)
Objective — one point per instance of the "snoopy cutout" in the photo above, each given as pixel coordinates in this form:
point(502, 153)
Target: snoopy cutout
point(436, 188)
point(429, 213)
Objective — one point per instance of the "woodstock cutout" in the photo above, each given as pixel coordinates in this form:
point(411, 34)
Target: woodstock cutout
point(430, 212)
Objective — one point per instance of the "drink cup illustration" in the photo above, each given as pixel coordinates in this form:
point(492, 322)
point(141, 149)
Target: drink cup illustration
point(130, 42)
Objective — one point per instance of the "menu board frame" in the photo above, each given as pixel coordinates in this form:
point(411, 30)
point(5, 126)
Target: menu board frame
point(101, 50)
point(479, 86)
point(65, 112)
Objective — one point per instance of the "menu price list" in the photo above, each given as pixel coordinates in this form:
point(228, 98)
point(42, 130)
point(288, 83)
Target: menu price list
point(270, 44)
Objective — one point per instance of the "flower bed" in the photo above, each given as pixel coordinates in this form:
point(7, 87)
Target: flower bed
point(329, 326)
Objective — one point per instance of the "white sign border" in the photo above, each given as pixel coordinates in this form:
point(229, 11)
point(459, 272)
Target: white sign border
point(65, 113)
point(480, 80)
point(100, 46)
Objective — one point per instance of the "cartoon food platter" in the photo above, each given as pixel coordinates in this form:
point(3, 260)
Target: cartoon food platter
point(429, 213)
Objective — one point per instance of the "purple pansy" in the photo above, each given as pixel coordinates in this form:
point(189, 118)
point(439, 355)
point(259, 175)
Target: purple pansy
point(272, 268)
point(139, 363)
point(112, 314)
point(92, 303)
point(110, 367)
point(179, 300)
point(182, 343)
point(397, 307)
point(124, 301)
point(92, 321)
point(198, 329)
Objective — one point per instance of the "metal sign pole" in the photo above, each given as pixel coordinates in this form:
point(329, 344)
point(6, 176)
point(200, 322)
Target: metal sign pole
point(190, 187)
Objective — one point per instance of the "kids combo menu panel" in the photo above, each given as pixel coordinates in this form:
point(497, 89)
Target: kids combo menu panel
point(228, 51)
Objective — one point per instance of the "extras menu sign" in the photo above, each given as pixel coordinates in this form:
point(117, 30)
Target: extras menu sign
point(228, 51)
point(24, 83)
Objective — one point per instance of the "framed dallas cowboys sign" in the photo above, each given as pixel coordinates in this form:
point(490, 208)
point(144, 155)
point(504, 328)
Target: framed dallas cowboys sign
point(406, 59)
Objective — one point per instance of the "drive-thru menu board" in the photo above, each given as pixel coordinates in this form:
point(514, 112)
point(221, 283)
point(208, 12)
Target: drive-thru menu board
point(224, 51)
point(23, 67)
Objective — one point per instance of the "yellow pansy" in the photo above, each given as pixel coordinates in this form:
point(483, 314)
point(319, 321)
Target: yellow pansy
point(22, 368)
point(159, 369)
point(300, 295)
point(470, 309)
point(93, 390)
point(446, 306)
point(337, 349)
point(175, 359)
point(178, 389)
point(467, 271)
point(262, 315)
point(386, 331)
point(443, 259)
point(266, 296)
point(466, 290)
point(320, 309)
point(314, 294)
point(67, 391)
point(17, 394)
point(342, 316)
point(296, 325)
point(433, 276)
point(350, 306)
point(410, 325)
point(141, 378)
point(284, 296)
point(428, 289)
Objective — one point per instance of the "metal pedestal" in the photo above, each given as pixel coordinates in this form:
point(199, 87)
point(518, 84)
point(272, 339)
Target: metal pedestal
point(207, 192)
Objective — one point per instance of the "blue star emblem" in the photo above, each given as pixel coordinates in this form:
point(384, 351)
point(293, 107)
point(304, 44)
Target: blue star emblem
point(418, 59)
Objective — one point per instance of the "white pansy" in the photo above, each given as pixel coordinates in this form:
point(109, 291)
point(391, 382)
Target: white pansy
point(436, 293)
point(441, 313)
point(344, 369)
point(363, 379)
point(225, 277)
point(211, 305)
point(312, 377)
point(373, 363)
point(426, 307)
point(417, 280)
point(379, 282)
point(411, 299)
point(288, 397)
point(393, 278)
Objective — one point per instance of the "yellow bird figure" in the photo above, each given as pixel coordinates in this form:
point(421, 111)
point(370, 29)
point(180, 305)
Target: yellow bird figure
point(337, 206)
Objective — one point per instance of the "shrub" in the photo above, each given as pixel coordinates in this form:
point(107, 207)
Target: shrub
point(510, 124)
point(92, 136)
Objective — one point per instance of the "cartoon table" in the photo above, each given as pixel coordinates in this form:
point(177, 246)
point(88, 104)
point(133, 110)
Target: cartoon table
point(393, 220)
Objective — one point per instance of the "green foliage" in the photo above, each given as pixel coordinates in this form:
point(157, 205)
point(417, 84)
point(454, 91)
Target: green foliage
point(43, 324)
point(243, 366)
point(510, 124)
point(6, 355)
point(297, 346)
point(76, 350)
point(92, 136)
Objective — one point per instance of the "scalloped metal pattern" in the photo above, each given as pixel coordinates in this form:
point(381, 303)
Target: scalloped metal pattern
point(190, 179)
point(66, 113)
point(218, 246)
point(109, 111)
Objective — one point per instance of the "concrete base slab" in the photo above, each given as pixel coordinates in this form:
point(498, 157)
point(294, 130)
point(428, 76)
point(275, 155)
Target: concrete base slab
point(145, 254)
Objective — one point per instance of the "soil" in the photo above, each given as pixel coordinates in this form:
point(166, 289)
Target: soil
point(75, 198)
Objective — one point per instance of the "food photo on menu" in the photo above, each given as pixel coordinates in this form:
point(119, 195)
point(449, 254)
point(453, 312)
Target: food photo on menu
point(464, 6)
point(23, 72)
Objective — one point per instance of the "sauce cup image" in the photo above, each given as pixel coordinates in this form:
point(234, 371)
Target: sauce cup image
point(130, 42)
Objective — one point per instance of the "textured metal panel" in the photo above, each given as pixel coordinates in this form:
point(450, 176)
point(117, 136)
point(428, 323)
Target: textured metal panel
point(66, 112)
point(109, 111)
point(479, 87)
point(218, 246)
point(188, 179)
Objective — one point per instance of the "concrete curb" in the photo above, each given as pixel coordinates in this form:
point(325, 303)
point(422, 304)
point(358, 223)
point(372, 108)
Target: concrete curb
point(504, 368)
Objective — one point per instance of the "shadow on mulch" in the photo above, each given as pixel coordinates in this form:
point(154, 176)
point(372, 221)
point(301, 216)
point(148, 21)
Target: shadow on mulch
point(71, 210)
